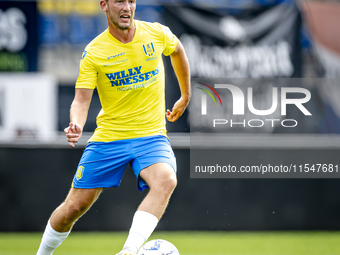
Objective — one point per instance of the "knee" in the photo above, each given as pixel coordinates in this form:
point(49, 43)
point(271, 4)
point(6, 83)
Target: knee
point(168, 183)
point(171, 182)
point(74, 211)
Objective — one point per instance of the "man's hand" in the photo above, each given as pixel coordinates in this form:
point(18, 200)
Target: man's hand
point(73, 133)
point(177, 110)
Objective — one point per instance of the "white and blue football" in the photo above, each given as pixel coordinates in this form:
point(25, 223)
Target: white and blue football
point(158, 247)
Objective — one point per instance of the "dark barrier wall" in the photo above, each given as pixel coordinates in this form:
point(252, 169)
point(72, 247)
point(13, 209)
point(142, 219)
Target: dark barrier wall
point(33, 182)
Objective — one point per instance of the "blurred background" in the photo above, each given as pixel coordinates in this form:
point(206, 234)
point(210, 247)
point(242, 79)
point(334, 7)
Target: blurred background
point(41, 43)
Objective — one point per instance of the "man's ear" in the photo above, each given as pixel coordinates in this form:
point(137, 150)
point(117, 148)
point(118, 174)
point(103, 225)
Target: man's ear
point(103, 5)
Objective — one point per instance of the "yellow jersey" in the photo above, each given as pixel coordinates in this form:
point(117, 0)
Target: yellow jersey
point(130, 81)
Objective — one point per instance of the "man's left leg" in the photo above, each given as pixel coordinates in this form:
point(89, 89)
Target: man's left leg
point(161, 178)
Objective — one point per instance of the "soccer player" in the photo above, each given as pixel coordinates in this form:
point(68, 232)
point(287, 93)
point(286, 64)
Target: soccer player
point(125, 64)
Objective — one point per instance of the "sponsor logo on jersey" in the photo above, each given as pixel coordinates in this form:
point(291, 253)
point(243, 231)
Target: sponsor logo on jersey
point(167, 30)
point(84, 54)
point(116, 62)
point(114, 56)
point(80, 172)
point(149, 50)
point(130, 76)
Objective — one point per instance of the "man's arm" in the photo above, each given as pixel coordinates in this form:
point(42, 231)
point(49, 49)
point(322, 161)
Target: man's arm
point(180, 65)
point(78, 115)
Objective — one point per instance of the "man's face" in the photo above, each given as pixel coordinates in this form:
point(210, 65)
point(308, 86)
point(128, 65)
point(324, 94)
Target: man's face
point(121, 12)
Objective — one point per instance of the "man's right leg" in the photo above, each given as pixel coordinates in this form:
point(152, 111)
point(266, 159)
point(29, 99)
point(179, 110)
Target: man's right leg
point(77, 202)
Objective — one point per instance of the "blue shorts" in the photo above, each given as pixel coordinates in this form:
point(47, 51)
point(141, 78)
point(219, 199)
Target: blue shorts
point(103, 163)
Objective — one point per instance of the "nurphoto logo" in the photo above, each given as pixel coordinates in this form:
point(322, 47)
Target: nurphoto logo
point(238, 105)
point(204, 97)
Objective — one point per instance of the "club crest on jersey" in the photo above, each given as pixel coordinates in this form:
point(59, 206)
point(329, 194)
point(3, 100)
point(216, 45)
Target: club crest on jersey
point(80, 172)
point(149, 50)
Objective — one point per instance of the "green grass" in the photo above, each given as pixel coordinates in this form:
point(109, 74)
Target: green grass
point(188, 243)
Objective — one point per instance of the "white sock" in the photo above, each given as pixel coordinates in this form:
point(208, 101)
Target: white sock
point(143, 224)
point(51, 240)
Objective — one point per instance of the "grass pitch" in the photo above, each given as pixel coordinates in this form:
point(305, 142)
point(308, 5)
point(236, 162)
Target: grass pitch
point(187, 242)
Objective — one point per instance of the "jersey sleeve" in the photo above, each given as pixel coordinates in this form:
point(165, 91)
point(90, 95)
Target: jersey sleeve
point(87, 78)
point(170, 41)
